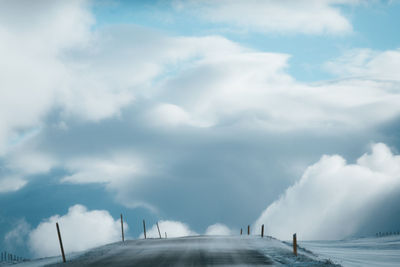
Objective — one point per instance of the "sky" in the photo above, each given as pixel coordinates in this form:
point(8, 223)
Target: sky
point(206, 116)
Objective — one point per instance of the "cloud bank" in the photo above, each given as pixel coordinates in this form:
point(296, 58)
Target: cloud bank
point(89, 75)
point(218, 229)
point(172, 228)
point(80, 228)
point(333, 198)
point(297, 16)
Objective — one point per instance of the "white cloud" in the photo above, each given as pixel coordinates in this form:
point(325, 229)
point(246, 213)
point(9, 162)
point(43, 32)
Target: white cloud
point(80, 229)
point(30, 161)
point(254, 89)
point(22, 162)
point(367, 63)
point(179, 229)
point(50, 63)
point(172, 228)
point(17, 236)
point(118, 172)
point(11, 184)
point(297, 16)
point(193, 81)
point(32, 39)
point(333, 198)
point(110, 169)
point(170, 115)
point(218, 229)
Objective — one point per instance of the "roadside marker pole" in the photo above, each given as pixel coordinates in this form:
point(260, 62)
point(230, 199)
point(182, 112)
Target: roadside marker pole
point(144, 229)
point(248, 230)
point(241, 231)
point(295, 244)
point(159, 233)
point(122, 229)
point(262, 230)
point(61, 244)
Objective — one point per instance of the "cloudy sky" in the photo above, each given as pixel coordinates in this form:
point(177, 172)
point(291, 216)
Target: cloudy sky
point(204, 115)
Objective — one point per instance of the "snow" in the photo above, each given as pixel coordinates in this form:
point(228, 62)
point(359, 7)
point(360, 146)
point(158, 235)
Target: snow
point(234, 250)
point(373, 251)
point(189, 251)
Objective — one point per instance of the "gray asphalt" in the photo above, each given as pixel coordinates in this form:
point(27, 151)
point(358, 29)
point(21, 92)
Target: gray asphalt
point(194, 251)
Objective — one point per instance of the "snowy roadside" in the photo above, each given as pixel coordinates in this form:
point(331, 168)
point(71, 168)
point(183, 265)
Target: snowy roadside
point(374, 251)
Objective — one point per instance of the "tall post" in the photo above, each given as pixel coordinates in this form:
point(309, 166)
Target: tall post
point(61, 244)
point(122, 229)
point(159, 233)
point(262, 231)
point(144, 229)
point(295, 244)
point(241, 231)
point(248, 230)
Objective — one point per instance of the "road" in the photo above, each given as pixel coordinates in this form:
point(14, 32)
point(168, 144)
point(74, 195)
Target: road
point(195, 251)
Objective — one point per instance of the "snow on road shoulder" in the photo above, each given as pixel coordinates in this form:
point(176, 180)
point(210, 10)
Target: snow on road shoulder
point(282, 253)
point(380, 251)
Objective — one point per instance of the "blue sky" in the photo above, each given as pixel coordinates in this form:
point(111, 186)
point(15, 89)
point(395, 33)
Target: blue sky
point(197, 113)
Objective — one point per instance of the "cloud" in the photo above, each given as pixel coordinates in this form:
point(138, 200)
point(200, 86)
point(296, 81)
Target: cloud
point(179, 229)
point(218, 229)
point(30, 161)
point(170, 115)
point(23, 162)
point(172, 228)
point(256, 91)
point(18, 235)
point(367, 63)
point(80, 229)
point(90, 74)
point(110, 169)
point(31, 47)
point(11, 184)
point(117, 171)
point(333, 198)
point(305, 16)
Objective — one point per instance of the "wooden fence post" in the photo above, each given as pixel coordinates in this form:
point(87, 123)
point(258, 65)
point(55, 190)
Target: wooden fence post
point(241, 231)
point(248, 229)
point(61, 244)
point(144, 229)
point(295, 244)
point(159, 233)
point(122, 229)
point(262, 231)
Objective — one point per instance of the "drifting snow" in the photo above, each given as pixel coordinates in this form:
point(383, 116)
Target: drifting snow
point(382, 251)
point(190, 251)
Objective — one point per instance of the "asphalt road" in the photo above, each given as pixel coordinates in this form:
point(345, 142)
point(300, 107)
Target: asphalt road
point(195, 251)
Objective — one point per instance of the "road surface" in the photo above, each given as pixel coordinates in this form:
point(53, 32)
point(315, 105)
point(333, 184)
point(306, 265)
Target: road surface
point(196, 251)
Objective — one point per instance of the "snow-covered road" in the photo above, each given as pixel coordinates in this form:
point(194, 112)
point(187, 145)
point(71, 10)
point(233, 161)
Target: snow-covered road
point(195, 251)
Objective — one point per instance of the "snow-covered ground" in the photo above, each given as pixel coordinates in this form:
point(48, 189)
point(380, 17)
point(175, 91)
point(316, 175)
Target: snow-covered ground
point(379, 251)
point(234, 251)
point(190, 251)
point(42, 261)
